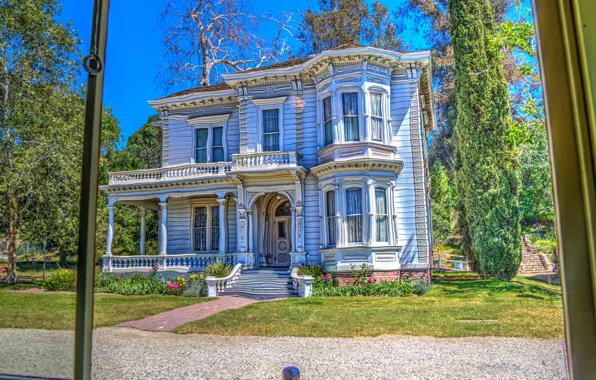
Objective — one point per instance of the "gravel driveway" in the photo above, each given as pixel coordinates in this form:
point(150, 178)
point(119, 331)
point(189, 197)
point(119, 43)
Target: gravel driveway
point(121, 353)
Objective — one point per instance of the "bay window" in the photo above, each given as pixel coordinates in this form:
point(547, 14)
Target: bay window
point(271, 131)
point(376, 103)
point(381, 215)
point(354, 215)
point(330, 217)
point(350, 116)
point(327, 121)
point(206, 228)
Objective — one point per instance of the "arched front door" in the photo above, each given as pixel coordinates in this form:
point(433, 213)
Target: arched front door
point(281, 234)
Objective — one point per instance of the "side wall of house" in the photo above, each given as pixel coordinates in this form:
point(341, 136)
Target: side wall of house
point(178, 226)
point(410, 191)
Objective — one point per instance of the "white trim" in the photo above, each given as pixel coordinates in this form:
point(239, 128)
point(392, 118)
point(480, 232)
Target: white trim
point(340, 113)
point(207, 120)
point(269, 101)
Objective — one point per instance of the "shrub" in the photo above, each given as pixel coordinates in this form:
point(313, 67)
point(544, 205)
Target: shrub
point(421, 286)
point(64, 280)
point(218, 270)
point(315, 270)
point(370, 288)
point(196, 286)
point(137, 284)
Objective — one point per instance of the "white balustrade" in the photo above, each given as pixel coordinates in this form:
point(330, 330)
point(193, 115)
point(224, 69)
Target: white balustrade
point(219, 285)
point(457, 262)
point(264, 160)
point(170, 173)
point(175, 263)
point(302, 284)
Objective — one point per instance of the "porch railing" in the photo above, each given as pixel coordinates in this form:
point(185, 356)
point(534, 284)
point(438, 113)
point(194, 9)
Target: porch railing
point(264, 160)
point(170, 173)
point(446, 261)
point(166, 263)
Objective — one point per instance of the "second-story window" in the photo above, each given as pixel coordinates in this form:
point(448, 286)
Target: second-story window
point(271, 130)
point(376, 101)
point(209, 145)
point(350, 116)
point(202, 136)
point(327, 121)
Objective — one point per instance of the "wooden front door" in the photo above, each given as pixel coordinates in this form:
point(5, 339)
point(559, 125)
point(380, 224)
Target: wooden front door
point(281, 241)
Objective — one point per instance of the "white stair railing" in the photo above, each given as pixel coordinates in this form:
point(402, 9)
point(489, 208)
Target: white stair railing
point(458, 262)
point(302, 284)
point(218, 285)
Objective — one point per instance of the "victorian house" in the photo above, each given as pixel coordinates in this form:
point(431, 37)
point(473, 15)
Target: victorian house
point(317, 159)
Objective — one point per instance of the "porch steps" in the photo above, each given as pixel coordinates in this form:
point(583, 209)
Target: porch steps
point(263, 283)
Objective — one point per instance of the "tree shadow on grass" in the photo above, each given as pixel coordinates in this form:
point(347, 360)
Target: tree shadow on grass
point(493, 287)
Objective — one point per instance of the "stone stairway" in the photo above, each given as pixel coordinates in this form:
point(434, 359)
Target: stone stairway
point(263, 283)
point(531, 261)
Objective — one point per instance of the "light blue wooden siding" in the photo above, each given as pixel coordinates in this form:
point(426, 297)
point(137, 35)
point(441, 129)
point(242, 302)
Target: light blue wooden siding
point(406, 132)
point(178, 226)
point(232, 228)
point(312, 227)
point(233, 134)
point(309, 120)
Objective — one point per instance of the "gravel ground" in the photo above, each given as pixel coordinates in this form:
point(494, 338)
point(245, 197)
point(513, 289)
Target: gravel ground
point(121, 353)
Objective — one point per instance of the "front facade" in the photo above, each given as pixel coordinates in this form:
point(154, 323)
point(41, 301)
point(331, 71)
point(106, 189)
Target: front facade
point(320, 159)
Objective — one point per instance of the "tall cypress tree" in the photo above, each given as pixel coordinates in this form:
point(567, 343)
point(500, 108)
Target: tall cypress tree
point(487, 172)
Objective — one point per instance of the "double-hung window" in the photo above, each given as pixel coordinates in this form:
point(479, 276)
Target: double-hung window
point(209, 145)
point(327, 121)
point(271, 133)
point(376, 102)
point(354, 215)
point(330, 217)
point(381, 215)
point(350, 116)
point(206, 228)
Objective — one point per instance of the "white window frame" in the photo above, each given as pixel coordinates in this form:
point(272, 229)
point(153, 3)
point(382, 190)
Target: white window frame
point(363, 214)
point(340, 111)
point(209, 205)
point(322, 113)
point(388, 215)
point(209, 122)
point(269, 104)
point(383, 118)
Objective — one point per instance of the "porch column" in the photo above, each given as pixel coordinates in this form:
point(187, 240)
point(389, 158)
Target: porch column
point(143, 212)
point(241, 217)
point(371, 211)
point(163, 228)
point(110, 235)
point(223, 232)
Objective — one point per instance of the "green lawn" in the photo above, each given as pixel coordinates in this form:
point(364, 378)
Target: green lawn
point(55, 311)
point(521, 308)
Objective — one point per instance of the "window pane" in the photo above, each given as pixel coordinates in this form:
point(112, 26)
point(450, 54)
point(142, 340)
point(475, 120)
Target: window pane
point(350, 103)
point(376, 104)
point(351, 128)
point(202, 137)
point(215, 228)
point(200, 229)
point(201, 155)
point(218, 136)
point(271, 142)
point(382, 219)
point(381, 201)
point(354, 201)
point(354, 215)
point(328, 133)
point(382, 229)
point(327, 115)
point(331, 203)
point(377, 128)
point(218, 154)
point(281, 229)
point(270, 121)
point(354, 229)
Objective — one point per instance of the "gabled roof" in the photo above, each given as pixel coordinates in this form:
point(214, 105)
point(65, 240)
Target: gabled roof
point(212, 88)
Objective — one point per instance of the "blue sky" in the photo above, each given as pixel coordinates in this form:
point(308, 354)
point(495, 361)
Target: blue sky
point(135, 50)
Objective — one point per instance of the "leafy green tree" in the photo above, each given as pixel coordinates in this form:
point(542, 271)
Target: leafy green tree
point(440, 202)
point(340, 22)
point(487, 172)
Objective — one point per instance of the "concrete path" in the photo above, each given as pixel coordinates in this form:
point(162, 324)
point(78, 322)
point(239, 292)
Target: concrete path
point(120, 353)
point(169, 320)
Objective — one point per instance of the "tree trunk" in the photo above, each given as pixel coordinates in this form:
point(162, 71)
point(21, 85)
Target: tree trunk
point(11, 273)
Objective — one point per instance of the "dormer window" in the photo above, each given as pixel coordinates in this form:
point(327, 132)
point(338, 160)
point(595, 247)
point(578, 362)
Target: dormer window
point(350, 116)
point(376, 102)
point(271, 133)
point(327, 121)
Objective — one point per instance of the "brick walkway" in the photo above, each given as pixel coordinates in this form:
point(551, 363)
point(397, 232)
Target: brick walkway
point(169, 320)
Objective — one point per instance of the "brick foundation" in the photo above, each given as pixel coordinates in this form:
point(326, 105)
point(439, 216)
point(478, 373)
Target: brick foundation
point(346, 278)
